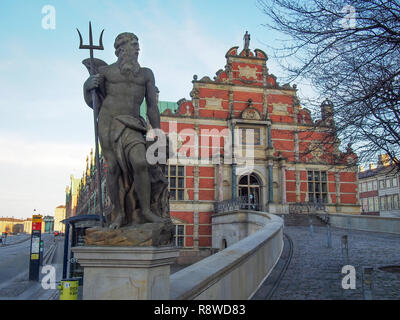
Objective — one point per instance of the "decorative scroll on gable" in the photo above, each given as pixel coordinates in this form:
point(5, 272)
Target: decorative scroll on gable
point(231, 52)
point(186, 108)
point(261, 54)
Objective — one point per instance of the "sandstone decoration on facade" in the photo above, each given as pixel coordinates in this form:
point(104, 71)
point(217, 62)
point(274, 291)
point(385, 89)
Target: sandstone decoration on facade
point(247, 72)
point(250, 113)
point(317, 151)
point(213, 103)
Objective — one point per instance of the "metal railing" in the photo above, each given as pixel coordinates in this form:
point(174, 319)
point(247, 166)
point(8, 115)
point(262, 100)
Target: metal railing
point(240, 203)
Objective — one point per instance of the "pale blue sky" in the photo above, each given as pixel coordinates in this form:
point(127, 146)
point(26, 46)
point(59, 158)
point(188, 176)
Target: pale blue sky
point(46, 130)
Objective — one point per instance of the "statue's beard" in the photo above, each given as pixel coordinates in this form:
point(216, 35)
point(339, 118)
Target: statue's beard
point(128, 64)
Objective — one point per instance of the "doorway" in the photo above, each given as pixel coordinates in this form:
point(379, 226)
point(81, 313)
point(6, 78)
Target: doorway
point(250, 191)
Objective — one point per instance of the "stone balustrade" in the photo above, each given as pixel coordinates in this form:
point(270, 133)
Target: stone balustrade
point(254, 245)
point(365, 223)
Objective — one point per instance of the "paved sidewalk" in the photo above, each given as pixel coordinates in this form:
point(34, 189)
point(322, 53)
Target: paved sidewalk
point(315, 270)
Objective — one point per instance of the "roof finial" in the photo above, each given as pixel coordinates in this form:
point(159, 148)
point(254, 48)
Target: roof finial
point(246, 39)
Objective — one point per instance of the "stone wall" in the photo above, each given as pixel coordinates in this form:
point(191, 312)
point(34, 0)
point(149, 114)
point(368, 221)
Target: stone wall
point(366, 223)
point(237, 271)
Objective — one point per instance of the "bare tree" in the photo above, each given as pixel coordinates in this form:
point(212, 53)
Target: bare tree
point(350, 51)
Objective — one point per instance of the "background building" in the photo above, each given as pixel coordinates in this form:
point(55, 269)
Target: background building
point(59, 215)
point(11, 225)
point(380, 189)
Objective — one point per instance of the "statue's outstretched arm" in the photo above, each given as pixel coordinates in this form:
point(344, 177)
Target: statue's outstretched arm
point(152, 108)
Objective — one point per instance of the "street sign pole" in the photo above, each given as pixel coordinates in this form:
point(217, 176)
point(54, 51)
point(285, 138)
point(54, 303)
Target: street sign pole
point(34, 256)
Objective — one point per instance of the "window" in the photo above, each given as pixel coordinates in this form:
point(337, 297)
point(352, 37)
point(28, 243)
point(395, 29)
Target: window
point(381, 184)
point(383, 203)
point(249, 190)
point(244, 132)
point(388, 183)
point(317, 186)
point(370, 204)
point(374, 185)
point(179, 236)
point(395, 201)
point(394, 182)
point(369, 185)
point(176, 181)
point(389, 202)
point(376, 204)
point(364, 203)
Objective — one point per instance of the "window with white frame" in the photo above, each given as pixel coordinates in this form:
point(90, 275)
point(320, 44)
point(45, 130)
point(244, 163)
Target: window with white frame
point(376, 204)
point(364, 203)
point(395, 201)
point(176, 181)
point(317, 186)
point(383, 201)
point(371, 204)
point(389, 202)
point(179, 235)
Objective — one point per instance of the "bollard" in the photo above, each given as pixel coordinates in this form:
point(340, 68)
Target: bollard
point(329, 236)
point(311, 228)
point(348, 225)
point(367, 282)
point(69, 289)
point(345, 249)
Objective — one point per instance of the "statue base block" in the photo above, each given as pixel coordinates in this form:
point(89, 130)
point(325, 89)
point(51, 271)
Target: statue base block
point(148, 234)
point(126, 273)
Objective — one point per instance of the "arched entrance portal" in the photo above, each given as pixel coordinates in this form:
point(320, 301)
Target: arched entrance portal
point(250, 190)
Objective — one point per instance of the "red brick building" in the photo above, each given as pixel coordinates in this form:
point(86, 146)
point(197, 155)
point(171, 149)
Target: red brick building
point(289, 158)
point(294, 160)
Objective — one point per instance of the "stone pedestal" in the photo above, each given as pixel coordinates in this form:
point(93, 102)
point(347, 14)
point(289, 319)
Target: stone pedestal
point(126, 273)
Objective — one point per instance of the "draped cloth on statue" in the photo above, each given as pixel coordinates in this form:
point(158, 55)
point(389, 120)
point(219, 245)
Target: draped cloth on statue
point(128, 131)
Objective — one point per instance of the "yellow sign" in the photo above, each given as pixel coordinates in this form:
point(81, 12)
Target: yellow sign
point(69, 289)
point(37, 218)
point(35, 256)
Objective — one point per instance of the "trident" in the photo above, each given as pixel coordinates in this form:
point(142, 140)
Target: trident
point(92, 47)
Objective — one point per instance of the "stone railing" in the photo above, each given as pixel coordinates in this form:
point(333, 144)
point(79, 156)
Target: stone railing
point(237, 271)
point(365, 223)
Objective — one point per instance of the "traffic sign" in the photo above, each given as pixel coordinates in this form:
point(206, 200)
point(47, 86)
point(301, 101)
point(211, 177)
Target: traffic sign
point(37, 218)
point(36, 226)
point(34, 263)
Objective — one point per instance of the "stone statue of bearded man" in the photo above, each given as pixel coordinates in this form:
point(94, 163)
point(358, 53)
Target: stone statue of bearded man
point(137, 190)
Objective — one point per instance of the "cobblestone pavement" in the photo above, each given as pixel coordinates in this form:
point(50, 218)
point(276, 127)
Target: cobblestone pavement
point(315, 270)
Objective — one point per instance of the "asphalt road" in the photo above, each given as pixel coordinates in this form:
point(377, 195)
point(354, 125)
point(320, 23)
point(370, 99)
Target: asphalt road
point(14, 266)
